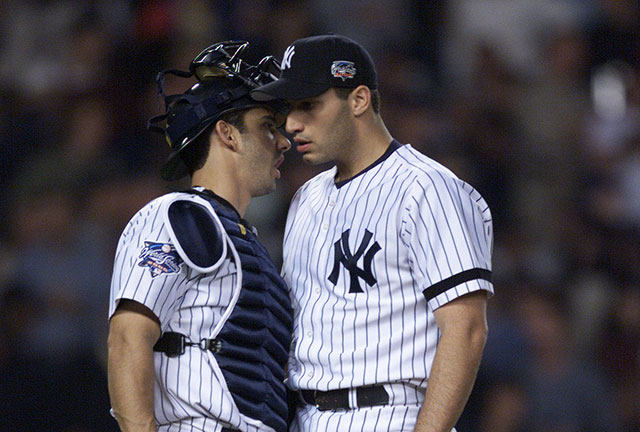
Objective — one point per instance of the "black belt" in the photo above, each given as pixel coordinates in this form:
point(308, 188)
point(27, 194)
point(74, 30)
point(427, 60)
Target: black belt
point(339, 399)
point(173, 344)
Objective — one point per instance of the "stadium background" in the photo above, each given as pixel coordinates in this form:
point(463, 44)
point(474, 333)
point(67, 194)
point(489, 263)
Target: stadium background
point(534, 102)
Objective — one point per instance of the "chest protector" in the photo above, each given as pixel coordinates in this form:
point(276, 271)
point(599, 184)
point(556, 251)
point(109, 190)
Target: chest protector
point(253, 345)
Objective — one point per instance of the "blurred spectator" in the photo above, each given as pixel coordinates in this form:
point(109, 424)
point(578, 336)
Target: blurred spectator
point(499, 400)
point(487, 146)
point(566, 394)
point(612, 147)
point(288, 20)
point(505, 408)
point(62, 262)
point(54, 46)
point(619, 353)
point(83, 158)
point(37, 393)
point(354, 18)
point(19, 386)
point(511, 28)
point(24, 130)
point(551, 112)
point(614, 32)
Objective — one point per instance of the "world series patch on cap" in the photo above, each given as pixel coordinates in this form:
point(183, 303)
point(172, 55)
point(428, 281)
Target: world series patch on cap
point(312, 65)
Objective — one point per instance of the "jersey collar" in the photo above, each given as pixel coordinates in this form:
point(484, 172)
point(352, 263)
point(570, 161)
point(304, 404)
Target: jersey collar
point(199, 190)
point(395, 145)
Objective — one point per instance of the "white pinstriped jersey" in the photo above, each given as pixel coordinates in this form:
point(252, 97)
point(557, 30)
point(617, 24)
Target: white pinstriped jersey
point(368, 260)
point(190, 391)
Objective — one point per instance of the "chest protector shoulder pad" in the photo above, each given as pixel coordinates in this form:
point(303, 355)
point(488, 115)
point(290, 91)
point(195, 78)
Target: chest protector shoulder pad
point(197, 232)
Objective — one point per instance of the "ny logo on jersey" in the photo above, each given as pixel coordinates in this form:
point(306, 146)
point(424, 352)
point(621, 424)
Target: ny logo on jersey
point(350, 261)
point(286, 58)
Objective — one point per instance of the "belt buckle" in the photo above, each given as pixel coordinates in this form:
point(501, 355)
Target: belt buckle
point(331, 400)
point(321, 400)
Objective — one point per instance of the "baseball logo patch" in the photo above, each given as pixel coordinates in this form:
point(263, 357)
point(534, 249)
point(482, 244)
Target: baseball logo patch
point(343, 69)
point(161, 258)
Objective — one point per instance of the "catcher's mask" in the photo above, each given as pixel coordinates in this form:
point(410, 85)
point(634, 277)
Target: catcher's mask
point(224, 85)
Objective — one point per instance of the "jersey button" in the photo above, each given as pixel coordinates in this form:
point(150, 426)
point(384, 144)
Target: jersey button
point(309, 333)
point(317, 290)
point(325, 226)
point(332, 203)
point(310, 374)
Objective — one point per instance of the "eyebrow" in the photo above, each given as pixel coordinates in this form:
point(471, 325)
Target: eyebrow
point(310, 100)
point(267, 117)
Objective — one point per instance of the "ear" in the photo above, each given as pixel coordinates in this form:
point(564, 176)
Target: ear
point(360, 100)
point(226, 134)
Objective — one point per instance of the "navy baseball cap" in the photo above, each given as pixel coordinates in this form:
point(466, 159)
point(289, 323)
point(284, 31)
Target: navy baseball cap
point(312, 65)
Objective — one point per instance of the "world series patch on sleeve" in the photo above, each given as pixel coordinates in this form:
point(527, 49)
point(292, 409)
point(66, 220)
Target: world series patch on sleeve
point(161, 258)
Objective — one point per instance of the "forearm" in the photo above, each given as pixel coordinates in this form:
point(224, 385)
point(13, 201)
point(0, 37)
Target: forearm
point(451, 379)
point(131, 377)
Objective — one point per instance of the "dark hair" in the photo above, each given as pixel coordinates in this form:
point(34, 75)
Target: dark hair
point(344, 92)
point(196, 153)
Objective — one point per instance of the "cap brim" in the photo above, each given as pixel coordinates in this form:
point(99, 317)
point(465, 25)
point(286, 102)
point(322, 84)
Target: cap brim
point(288, 89)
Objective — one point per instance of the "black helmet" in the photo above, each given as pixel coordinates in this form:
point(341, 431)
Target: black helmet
point(224, 85)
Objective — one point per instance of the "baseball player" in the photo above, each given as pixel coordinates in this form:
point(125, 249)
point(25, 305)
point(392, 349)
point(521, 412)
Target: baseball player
point(200, 319)
point(387, 254)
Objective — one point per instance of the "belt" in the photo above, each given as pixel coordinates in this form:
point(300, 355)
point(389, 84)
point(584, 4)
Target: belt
point(339, 399)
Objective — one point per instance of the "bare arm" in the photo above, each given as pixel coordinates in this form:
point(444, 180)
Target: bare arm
point(133, 330)
point(464, 332)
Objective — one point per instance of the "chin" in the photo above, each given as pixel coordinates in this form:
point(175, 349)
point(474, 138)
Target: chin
point(312, 159)
point(265, 190)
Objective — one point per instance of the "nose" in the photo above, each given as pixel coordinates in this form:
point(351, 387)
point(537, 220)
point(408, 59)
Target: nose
point(293, 124)
point(283, 142)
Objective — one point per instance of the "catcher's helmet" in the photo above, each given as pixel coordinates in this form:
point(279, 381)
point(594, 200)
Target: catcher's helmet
point(224, 85)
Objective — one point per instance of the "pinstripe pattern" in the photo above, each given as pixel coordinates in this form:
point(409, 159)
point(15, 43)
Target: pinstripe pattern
point(190, 390)
point(432, 228)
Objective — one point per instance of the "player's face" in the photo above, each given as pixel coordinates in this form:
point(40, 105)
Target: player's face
point(321, 128)
point(262, 147)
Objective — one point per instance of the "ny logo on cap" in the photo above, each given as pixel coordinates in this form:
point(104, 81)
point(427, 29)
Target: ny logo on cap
point(286, 58)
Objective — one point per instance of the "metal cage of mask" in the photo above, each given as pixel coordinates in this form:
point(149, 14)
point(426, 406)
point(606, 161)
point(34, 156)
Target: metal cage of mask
point(187, 115)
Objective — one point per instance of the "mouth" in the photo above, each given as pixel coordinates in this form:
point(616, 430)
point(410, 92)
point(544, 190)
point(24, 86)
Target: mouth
point(277, 165)
point(302, 145)
point(279, 162)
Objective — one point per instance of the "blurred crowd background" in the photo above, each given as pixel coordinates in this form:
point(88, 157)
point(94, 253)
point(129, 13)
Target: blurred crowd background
point(534, 102)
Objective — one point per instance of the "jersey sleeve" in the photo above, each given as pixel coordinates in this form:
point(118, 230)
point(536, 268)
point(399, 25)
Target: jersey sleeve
point(447, 229)
point(147, 267)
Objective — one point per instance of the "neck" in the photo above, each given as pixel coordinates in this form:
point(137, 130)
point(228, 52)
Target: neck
point(222, 180)
point(372, 140)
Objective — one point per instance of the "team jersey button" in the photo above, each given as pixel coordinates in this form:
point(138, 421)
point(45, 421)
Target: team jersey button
point(309, 333)
point(332, 203)
point(325, 226)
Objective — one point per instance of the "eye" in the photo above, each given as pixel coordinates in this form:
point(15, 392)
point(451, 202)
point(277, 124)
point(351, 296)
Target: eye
point(306, 105)
point(271, 125)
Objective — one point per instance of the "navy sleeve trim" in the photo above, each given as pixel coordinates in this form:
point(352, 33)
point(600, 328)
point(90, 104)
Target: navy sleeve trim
point(455, 280)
